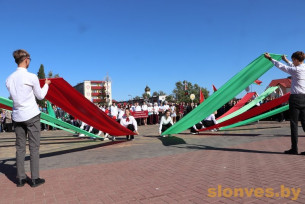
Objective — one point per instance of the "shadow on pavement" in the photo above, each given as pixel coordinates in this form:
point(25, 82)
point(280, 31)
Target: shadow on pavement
point(9, 170)
point(67, 141)
point(50, 154)
point(206, 147)
point(167, 141)
point(230, 134)
point(220, 134)
point(254, 128)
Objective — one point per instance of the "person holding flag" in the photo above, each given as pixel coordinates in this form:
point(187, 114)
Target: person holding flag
point(296, 69)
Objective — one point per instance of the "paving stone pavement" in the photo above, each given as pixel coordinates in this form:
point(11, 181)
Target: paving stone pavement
point(185, 168)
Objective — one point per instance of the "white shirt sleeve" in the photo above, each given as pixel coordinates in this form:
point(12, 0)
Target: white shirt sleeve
point(283, 67)
point(40, 93)
point(194, 126)
point(161, 123)
point(171, 121)
point(134, 122)
point(290, 64)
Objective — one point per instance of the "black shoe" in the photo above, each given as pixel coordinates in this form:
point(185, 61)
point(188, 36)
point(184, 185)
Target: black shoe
point(291, 151)
point(302, 153)
point(37, 182)
point(21, 182)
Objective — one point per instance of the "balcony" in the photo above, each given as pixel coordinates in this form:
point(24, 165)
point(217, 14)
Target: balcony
point(96, 100)
point(97, 87)
point(96, 94)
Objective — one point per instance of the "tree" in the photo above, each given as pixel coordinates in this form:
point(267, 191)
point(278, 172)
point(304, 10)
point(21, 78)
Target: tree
point(136, 98)
point(56, 76)
point(161, 93)
point(103, 96)
point(50, 74)
point(183, 95)
point(170, 98)
point(40, 73)
point(155, 93)
point(145, 95)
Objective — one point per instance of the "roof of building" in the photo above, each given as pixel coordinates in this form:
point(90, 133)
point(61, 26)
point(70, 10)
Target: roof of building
point(286, 82)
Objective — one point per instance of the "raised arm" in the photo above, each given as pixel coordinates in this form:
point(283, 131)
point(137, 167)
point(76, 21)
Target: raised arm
point(281, 66)
point(284, 58)
point(40, 93)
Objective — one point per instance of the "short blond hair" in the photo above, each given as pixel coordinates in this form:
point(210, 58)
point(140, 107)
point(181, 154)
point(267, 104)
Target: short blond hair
point(20, 55)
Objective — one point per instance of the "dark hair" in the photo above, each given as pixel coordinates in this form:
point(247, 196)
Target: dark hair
point(299, 55)
point(166, 112)
point(20, 55)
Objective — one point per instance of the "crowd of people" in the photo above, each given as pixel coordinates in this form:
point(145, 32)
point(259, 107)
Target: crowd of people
point(155, 112)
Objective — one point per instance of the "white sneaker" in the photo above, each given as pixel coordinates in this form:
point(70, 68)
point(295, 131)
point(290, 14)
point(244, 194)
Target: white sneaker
point(106, 139)
point(113, 138)
point(81, 135)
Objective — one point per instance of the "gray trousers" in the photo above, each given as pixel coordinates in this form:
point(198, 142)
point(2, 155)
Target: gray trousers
point(30, 129)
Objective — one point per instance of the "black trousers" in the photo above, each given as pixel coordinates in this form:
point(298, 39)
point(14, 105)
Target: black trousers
point(297, 110)
point(130, 127)
point(198, 126)
point(208, 123)
point(165, 127)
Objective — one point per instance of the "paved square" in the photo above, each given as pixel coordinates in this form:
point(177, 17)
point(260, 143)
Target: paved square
point(205, 168)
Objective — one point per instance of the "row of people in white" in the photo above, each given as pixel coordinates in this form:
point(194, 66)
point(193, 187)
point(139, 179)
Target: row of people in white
point(155, 109)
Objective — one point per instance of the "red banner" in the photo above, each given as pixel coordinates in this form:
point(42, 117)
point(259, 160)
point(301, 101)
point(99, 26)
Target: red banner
point(62, 94)
point(140, 114)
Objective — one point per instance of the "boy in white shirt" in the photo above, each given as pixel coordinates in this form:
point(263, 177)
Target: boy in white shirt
point(130, 123)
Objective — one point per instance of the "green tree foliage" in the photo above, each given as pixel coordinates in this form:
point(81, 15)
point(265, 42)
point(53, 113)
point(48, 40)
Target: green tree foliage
point(155, 93)
point(137, 98)
point(184, 95)
point(170, 98)
point(40, 73)
point(50, 74)
point(145, 95)
point(161, 93)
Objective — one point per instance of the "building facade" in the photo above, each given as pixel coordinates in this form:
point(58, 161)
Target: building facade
point(96, 91)
point(283, 84)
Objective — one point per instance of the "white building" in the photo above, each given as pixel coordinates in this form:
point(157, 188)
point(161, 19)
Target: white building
point(92, 90)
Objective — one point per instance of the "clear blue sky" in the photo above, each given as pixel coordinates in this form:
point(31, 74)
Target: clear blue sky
point(149, 42)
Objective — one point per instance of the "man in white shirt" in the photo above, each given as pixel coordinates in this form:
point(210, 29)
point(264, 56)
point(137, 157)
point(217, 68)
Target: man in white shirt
point(23, 86)
point(296, 69)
